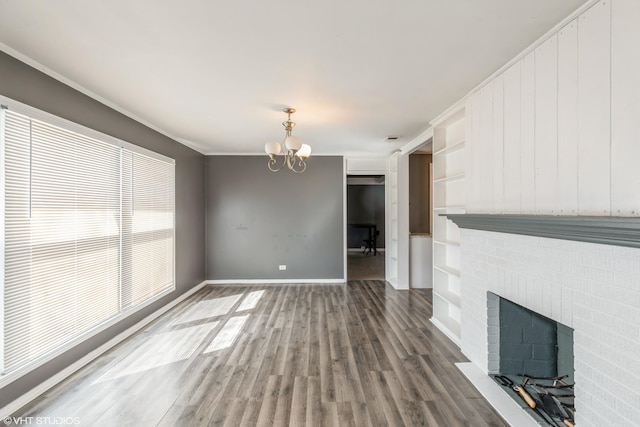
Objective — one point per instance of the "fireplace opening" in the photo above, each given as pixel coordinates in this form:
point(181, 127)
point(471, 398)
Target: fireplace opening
point(531, 358)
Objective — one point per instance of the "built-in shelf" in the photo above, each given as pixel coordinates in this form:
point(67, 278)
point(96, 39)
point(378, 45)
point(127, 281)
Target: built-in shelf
point(447, 269)
point(448, 296)
point(450, 209)
point(392, 248)
point(455, 177)
point(447, 324)
point(448, 195)
point(450, 149)
point(447, 242)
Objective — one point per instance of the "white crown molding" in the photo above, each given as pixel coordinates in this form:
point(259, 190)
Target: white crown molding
point(366, 156)
point(416, 142)
point(49, 72)
point(263, 154)
point(458, 105)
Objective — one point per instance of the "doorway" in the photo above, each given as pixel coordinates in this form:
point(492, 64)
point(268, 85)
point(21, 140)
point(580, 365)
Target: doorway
point(365, 227)
point(420, 217)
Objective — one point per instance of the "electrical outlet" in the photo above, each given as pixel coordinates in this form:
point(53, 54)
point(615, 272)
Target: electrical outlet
point(282, 267)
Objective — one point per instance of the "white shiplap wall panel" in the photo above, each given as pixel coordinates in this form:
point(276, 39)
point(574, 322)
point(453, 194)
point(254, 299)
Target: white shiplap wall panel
point(484, 156)
point(527, 135)
point(473, 149)
point(625, 108)
point(568, 119)
point(512, 139)
point(546, 127)
point(594, 112)
point(497, 148)
point(562, 122)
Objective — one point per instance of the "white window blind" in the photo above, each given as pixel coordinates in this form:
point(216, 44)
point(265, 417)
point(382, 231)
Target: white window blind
point(148, 219)
point(88, 234)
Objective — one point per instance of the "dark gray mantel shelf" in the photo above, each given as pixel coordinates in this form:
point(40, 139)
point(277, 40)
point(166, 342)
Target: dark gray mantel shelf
point(606, 230)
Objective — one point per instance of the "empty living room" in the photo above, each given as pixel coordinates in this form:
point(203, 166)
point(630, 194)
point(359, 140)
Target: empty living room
point(389, 213)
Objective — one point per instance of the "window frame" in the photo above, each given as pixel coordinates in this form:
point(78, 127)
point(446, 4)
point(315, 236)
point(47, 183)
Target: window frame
point(34, 113)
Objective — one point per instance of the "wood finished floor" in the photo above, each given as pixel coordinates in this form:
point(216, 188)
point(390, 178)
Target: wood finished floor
point(360, 354)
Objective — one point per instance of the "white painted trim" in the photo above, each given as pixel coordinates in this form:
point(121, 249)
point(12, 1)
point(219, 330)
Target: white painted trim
point(384, 172)
point(2, 231)
point(402, 278)
point(344, 218)
point(78, 364)
point(460, 103)
point(52, 119)
point(262, 153)
point(274, 281)
point(416, 142)
point(375, 155)
point(501, 402)
point(49, 72)
point(446, 331)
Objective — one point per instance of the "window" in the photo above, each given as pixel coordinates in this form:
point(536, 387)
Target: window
point(88, 233)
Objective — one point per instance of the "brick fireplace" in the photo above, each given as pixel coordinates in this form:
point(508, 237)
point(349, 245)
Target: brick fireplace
point(592, 288)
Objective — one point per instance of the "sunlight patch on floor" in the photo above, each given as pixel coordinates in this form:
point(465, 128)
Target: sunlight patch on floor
point(160, 350)
point(227, 334)
point(250, 301)
point(208, 308)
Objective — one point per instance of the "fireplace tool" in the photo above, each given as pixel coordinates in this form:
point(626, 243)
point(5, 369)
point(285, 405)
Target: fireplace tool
point(552, 399)
point(534, 403)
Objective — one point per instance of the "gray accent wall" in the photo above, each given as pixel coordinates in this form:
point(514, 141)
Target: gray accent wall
point(23, 83)
point(257, 220)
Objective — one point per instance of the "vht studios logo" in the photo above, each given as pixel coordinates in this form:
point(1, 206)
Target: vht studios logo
point(30, 421)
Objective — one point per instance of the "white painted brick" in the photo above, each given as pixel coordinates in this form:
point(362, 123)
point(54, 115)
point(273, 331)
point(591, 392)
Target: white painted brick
point(626, 280)
point(592, 288)
point(522, 291)
point(556, 302)
point(567, 307)
point(627, 265)
point(630, 413)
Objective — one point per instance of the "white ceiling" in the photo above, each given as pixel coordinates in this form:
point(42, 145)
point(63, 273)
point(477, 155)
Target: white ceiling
point(216, 74)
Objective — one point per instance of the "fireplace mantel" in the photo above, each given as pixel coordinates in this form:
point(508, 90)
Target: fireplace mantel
point(606, 230)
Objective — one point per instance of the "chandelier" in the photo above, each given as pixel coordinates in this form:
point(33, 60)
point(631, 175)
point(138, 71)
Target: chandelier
point(294, 151)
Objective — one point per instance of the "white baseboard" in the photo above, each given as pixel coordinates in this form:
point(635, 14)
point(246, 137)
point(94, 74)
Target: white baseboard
point(446, 331)
point(89, 357)
point(274, 281)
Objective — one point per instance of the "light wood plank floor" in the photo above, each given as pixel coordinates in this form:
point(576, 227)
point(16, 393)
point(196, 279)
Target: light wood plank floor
point(360, 354)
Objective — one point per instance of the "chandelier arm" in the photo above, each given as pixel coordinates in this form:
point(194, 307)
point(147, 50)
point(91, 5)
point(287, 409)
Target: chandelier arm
point(301, 163)
point(291, 161)
point(271, 164)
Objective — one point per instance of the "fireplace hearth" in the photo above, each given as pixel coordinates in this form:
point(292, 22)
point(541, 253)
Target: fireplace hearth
point(535, 361)
point(589, 287)
point(550, 400)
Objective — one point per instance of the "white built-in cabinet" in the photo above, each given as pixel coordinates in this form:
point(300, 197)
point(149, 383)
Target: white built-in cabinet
point(448, 197)
point(557, 132)
point(391, 249)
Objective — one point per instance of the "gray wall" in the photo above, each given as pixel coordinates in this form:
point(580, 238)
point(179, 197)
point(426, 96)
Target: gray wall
point(25, 84)
point(365, 204)
point(257, 219)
